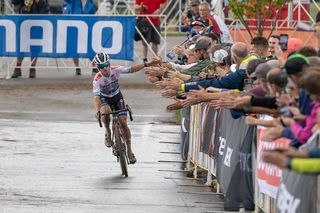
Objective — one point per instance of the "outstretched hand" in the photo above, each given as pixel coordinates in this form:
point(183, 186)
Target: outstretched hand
point(174, 83)
point(154, 71)
point(155, 61)
point(275, 157)
point(232, 102)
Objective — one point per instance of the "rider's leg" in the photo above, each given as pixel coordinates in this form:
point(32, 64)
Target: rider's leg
point(106, 122)
point(127, 136)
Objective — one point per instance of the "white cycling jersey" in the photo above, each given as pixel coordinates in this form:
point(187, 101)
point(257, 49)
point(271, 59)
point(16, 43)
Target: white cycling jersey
point(109, 86)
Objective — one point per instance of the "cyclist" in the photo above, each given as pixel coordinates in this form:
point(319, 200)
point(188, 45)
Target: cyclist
point(108, 97)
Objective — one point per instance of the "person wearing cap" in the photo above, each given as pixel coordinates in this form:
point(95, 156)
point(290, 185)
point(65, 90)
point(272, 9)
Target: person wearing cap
point(194, 8)
point(294, 67)
point(234, 80)
point(201, 50)
point(260, 76)
point(302, 131)
point(222, 59)
point(294, 44)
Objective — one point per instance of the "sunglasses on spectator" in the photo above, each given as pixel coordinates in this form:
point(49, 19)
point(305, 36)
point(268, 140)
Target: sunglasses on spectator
point(101, 66)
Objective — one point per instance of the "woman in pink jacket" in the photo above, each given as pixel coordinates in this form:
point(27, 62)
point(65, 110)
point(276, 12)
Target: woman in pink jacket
point(311, 83)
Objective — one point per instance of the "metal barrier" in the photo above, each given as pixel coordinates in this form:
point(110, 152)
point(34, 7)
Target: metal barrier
point(199, 118)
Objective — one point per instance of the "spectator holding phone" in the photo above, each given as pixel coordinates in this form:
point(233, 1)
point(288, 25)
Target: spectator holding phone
point(273, 44)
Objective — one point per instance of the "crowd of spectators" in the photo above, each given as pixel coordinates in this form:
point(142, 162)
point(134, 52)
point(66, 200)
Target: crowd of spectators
point(248, 80)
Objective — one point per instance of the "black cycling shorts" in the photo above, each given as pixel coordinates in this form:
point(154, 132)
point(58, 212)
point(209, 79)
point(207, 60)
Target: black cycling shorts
point(115, 103)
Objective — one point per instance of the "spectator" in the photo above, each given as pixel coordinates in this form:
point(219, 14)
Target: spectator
point(204, 11)
point(260, 74)
point(294, 44)
point(194, 8)
point(308, 51)
point(259, 46)
point(277, 81)
point(29, 7)
point(235, 80)
point(81, 7)
point(273, 44)
point(311, 84)
point(186, 22)
point(151, 7)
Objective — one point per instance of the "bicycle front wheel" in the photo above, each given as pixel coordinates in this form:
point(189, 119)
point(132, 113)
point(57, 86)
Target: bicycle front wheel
point(122, 157)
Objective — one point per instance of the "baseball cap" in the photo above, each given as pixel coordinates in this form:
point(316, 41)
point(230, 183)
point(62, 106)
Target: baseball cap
point(194, 2)
point(219, 56)
point(295, 63)
point(202, 44)
point(294, 44)
point(261, 71)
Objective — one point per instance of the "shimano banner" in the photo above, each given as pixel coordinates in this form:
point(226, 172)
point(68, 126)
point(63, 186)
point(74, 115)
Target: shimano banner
point(66, 36)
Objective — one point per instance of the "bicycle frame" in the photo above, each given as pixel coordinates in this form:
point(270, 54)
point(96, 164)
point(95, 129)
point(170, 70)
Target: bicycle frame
point(119, 148)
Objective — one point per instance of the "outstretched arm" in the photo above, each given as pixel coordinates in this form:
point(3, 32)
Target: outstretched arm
point(138, 67)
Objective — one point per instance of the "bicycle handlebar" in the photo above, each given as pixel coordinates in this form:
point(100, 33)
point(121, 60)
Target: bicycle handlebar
point(121, 110)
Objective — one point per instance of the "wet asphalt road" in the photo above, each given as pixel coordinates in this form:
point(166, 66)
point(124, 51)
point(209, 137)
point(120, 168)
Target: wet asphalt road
point(52, 156)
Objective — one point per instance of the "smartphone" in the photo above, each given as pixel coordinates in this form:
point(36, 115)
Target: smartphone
point(283, 42)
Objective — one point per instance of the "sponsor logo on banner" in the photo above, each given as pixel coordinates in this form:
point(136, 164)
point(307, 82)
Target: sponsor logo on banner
point(66, 36)
point(268, 175)
point(222, 145)
point(286, 202)
point(227, 159)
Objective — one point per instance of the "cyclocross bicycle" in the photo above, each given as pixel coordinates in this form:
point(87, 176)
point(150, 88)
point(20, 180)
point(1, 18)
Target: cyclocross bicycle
point(119, 147)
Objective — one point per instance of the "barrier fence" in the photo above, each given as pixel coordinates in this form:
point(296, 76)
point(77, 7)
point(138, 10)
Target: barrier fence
point(230, 150)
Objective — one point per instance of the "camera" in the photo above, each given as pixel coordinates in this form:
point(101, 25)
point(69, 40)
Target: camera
point(190, 14)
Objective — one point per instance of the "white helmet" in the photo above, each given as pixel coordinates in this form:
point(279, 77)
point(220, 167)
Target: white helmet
point(101, 58)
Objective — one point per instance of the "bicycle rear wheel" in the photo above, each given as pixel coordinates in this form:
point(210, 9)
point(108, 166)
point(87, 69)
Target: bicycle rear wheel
point(122, 157)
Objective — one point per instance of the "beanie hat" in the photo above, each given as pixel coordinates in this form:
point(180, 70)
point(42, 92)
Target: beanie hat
point(295, 64)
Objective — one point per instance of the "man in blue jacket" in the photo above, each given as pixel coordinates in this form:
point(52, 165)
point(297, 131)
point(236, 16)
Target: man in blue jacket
point(80, 7)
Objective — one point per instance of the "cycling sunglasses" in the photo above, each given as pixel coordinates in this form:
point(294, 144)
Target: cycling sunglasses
point(101, 66)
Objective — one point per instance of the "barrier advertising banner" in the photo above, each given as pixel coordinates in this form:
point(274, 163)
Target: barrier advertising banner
point(233, 144)
point(268, 175)
point(207, 129)
point(298, 192)
point(66, 36)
